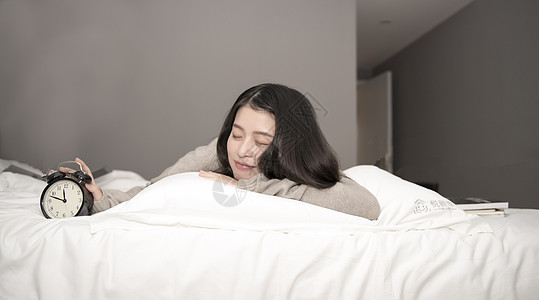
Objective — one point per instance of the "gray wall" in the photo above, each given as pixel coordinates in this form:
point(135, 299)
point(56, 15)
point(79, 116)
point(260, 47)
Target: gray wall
point(466, 103)
point(136, 84)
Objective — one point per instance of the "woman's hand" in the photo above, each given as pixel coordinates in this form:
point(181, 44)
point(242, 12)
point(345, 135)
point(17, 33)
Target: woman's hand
point(218, 177)
point(91, 187)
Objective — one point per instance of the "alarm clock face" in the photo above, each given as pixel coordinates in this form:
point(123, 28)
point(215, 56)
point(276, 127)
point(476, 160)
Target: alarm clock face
point(62, 199)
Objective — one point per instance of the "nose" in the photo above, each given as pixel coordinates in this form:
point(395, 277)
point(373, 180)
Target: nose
point(247, 148)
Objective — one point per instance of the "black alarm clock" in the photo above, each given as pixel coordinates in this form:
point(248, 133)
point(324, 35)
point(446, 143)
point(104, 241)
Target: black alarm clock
point(65, 194)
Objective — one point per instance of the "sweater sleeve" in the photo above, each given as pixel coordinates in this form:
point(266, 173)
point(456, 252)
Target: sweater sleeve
point(346, 196)
point(202, 158)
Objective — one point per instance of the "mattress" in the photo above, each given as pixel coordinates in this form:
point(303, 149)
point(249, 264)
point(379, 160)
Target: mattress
point(174, 240)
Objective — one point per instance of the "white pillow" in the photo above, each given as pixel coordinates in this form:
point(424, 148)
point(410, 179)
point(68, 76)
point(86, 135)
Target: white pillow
point(408, 205)
point(20, 185)
point(188, 200)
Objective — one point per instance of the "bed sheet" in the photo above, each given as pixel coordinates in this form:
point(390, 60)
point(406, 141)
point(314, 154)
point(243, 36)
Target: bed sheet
point(163, 247)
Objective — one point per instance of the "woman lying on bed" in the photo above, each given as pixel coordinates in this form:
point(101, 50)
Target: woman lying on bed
point(270, 143)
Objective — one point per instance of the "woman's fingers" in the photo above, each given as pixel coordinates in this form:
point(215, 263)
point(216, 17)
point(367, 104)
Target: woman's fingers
point(66, 170)
point(218, 177)
point(92, 187)
point(84, 167)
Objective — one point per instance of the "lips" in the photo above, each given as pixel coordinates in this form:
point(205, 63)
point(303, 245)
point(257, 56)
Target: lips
point(242, 166)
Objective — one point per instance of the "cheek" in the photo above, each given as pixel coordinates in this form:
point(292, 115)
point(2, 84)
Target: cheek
point(229, 147)
point(258, 154)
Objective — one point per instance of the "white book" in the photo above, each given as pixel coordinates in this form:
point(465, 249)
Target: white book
point(485, 212)
point(472, 203)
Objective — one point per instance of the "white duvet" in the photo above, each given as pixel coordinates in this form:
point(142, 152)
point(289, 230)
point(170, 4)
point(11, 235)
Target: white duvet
point(174, 240)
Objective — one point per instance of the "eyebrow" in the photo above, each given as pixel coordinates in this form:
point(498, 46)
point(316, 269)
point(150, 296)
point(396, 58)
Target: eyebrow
point(254, 132)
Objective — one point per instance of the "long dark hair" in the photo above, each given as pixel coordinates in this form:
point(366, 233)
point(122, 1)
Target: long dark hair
point(299, 151)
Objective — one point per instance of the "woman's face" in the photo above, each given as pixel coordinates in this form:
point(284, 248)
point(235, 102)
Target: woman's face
point(252, 132)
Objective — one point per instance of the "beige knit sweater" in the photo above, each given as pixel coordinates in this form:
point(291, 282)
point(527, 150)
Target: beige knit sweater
point(345, 196)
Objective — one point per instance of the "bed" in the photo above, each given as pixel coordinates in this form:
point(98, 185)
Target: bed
point(176, 240)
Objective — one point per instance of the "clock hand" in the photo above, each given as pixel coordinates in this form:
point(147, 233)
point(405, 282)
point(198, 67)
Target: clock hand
point(58, 198)
point(65, 200)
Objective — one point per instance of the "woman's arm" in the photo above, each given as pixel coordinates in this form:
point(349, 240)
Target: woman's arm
point(202, 158)
point(346, 196)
